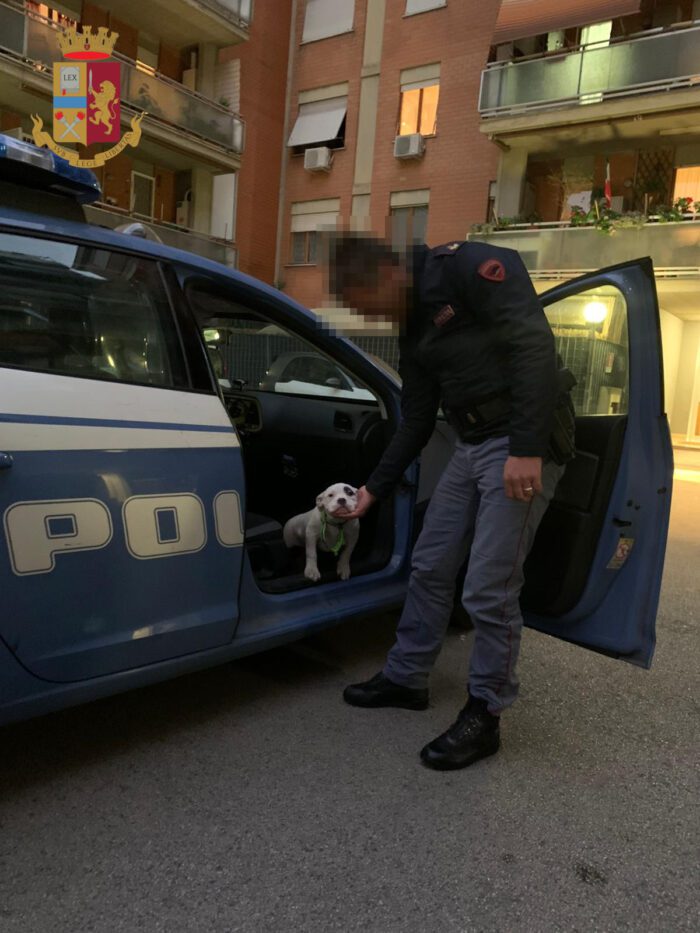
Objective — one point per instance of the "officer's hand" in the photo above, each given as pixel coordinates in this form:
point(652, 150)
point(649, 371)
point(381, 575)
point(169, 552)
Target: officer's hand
point(365, 501)
point(522, 477)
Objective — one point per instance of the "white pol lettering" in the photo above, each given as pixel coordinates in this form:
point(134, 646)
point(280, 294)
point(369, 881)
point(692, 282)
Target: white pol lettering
point(37, 531)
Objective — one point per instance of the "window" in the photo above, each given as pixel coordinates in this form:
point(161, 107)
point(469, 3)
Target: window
point(324, 18)
point(687, 183)
point(591, 335)
point(409, 217)
point(78, 311)
point(491, 202)
point(260, 356)
point(314, 369)
point(143, 192)
point(420, 90)
point(408, 225)
point(304, 247)
point(308, 217)
point(61, 14)
point(319, 123)
point(421, 6)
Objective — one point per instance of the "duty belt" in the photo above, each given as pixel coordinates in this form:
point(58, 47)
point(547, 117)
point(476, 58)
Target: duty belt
point(477, 414)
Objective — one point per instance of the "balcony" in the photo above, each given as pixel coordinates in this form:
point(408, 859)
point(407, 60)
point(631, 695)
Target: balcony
point(31, 42)
point(209, 247)
point(554, 251)
point(646, 63)
point(185, 22)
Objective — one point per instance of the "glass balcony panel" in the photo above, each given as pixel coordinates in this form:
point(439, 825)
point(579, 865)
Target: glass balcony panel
point(198, 243)
point(42, 42)
point(171, 103)
point(11, 29)
point(520, 84)
point(661, 60)
point(567, 249)
point(242, 9)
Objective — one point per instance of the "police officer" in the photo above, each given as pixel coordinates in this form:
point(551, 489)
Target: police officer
point(474, 340)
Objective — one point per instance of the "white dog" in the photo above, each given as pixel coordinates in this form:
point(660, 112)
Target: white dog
point(324, 527)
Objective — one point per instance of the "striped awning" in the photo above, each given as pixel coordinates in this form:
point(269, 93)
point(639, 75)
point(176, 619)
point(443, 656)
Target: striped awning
point(519, 19)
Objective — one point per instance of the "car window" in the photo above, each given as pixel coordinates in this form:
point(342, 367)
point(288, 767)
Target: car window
point(249, 352)
point(78, 311)
point(314, 369)
point(591, 336)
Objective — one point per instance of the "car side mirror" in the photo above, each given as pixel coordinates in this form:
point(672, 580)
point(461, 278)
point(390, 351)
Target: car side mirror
point(333, 382)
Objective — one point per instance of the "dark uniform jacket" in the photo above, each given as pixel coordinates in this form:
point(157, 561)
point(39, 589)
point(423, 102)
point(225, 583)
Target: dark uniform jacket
point(476, 340)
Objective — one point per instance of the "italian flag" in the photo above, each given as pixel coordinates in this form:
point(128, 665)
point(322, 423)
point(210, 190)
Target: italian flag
point(607, 190)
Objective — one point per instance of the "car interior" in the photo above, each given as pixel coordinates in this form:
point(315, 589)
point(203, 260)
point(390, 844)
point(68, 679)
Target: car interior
point(299, 434)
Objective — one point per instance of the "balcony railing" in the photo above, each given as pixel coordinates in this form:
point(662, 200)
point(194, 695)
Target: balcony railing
point(555, 252)
point(239, 10)
point(648, 62)
point(35, 39)
point(209, 247)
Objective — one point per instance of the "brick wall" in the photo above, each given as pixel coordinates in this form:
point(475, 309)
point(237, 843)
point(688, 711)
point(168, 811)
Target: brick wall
point(459, 162)
point(325, 62)
point(263, 79)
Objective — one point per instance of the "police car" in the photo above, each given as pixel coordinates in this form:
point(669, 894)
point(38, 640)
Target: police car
point(143, 493)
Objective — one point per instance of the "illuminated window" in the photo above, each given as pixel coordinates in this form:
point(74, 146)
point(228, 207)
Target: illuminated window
point(687, 183)
point(420, 91)
point(147, 54)
point(52, 14)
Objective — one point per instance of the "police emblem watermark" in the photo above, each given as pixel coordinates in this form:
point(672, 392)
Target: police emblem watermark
point(86, 99)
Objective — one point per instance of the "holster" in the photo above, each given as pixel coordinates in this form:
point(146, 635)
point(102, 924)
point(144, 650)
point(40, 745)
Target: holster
point(562, 443)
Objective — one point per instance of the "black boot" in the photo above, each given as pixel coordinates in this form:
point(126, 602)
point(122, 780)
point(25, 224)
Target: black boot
point(473, 736)
point(380, 691)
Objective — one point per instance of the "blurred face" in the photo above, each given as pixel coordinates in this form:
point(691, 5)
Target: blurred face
point(385, 299)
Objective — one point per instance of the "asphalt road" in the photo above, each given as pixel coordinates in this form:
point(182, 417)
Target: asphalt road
point(249, 798)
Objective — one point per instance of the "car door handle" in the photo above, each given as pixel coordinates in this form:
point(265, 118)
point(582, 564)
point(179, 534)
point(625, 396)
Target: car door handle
point(6, 461)
point(342, 422)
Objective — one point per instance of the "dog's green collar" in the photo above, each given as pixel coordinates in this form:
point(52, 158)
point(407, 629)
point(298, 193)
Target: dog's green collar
point(336, 548)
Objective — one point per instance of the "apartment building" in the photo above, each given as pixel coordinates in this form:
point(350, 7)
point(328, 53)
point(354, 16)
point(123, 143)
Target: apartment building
point(594, 109)
point(379, 124)
point(181, 180)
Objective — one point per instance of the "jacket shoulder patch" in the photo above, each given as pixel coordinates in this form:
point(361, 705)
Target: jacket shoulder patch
point(492, 270)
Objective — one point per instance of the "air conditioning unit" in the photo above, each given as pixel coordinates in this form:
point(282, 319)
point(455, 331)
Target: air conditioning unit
point(318, 159)
point(409, 147)
point(18, 133)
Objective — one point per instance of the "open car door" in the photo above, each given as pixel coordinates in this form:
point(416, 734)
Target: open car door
point(594, 574)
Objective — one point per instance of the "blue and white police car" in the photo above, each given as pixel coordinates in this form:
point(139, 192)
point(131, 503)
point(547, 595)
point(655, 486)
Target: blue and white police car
point(147, 462)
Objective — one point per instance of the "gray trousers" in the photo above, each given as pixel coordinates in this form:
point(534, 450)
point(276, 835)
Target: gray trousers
point(470, 513)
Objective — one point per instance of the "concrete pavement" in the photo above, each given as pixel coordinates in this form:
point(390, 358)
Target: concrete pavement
point(250, 799)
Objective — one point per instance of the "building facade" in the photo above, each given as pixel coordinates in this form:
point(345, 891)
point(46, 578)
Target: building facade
point(380, 126)
point(181, 180)
point(595, 111)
